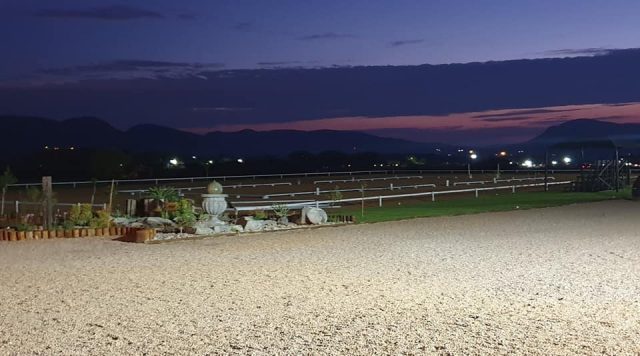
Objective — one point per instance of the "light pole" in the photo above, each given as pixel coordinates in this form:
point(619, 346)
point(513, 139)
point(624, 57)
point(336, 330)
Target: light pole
point(472, 156)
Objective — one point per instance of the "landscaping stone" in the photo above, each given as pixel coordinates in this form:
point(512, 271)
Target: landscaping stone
point(254, 225)
point(157, 222)
point(316, 216)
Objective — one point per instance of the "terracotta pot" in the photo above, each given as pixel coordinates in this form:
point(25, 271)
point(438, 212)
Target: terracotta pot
point(91, 232)
point(112, 231)
point(97, 231)
point(45, 234)
point(20, 235)
point(142, 235)
point(28, 235)
point(13, 236)
point(75, 233)
point(37, 234)
point(3, 235)
point(66, 233)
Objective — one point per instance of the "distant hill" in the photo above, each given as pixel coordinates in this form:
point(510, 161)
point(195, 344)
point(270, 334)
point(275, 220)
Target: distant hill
point(23, 135)
point(583, 130)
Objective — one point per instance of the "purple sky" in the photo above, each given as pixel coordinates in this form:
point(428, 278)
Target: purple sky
point(45, 43)
point(40, 34)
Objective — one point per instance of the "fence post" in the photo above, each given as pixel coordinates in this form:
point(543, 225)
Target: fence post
point(317, 190)
point(476, 192)
point(391, 186)
point(380, 201)
point(433, 196)
point(17, 208)
point(513, 189)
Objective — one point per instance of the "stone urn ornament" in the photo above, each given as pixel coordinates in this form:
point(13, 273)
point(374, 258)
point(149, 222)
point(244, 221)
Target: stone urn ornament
point(214, 203)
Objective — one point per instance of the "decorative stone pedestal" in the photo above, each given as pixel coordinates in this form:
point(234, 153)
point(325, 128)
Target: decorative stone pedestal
point(214, 205)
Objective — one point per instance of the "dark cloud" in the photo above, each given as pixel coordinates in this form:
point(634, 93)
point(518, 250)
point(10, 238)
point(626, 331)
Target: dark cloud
point(326, 36)
point(110, 13)
point(405, 42)
point(522, 112)
point(277, 64)
point(501, 119)
point(593, 51)
point(133, 68)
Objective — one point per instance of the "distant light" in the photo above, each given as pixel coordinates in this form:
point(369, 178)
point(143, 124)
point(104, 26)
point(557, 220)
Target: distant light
point(72, 148)
point(396, 164)
point(527, 163)
point(554, 162)
point(503, 153)
point(210, 161)
point(566, 160)
point(194, 157)
point(173, 161)
point(473, 156)
point(471, 152)
point(240, 160)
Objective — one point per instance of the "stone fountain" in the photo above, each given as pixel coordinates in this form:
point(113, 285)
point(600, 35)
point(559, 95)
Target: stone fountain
point(214, 203)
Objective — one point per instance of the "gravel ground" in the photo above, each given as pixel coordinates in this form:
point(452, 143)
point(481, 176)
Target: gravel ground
point(550, 281)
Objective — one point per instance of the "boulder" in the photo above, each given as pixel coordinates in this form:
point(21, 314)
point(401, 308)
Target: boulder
point(158, 222)
point(204, 231)
point(254, 225)
point(316, 216)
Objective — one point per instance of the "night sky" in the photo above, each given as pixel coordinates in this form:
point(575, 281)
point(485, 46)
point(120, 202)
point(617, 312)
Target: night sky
point(118, 52)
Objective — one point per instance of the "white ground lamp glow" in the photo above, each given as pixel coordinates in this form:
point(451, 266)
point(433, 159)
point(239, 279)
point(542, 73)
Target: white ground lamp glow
point(173, 161)
point(566, 160)
point(527, 163)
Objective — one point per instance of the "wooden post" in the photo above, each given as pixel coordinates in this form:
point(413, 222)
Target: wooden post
point(47, 191)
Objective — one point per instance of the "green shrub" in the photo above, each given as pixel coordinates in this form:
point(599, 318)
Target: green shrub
point(260, 215)
point(81, 215)
point(101, 220)
point(184, 214)
point(280, 209)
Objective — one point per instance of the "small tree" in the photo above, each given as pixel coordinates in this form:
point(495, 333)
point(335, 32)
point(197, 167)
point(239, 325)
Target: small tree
point(185, 216)
point(6, 179)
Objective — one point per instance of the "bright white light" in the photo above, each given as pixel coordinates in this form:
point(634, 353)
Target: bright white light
point(554, 162)
point(473, 156)
point(210, 161)
point(566, 160)
point(528, 163)
point(240, 160)
point(173, 161)
point(194, 157)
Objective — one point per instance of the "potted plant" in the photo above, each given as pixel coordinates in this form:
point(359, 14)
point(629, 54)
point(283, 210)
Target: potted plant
point(160, 196)
point(282, 212)
point(185, 216)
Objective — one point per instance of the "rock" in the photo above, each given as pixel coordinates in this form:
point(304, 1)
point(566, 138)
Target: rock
point(204, 231)
point(269, 225)
point(236, 228)
point(214, 188)
point(122, 221)
point(158, 222)
point(316, 216)
point(254, 225)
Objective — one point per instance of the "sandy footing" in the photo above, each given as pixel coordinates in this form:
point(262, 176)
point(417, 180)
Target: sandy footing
point(551, 281)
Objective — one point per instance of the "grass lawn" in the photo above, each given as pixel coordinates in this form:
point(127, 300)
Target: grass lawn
point(503, 202)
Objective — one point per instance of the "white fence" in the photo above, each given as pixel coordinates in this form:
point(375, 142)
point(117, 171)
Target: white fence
point(381, 198)
point(157, 181)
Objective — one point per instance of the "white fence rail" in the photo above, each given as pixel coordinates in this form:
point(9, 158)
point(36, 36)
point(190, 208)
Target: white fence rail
point(381, 198)
point(157, 181)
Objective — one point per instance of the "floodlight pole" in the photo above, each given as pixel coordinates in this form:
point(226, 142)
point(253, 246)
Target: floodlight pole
point(546, 170)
